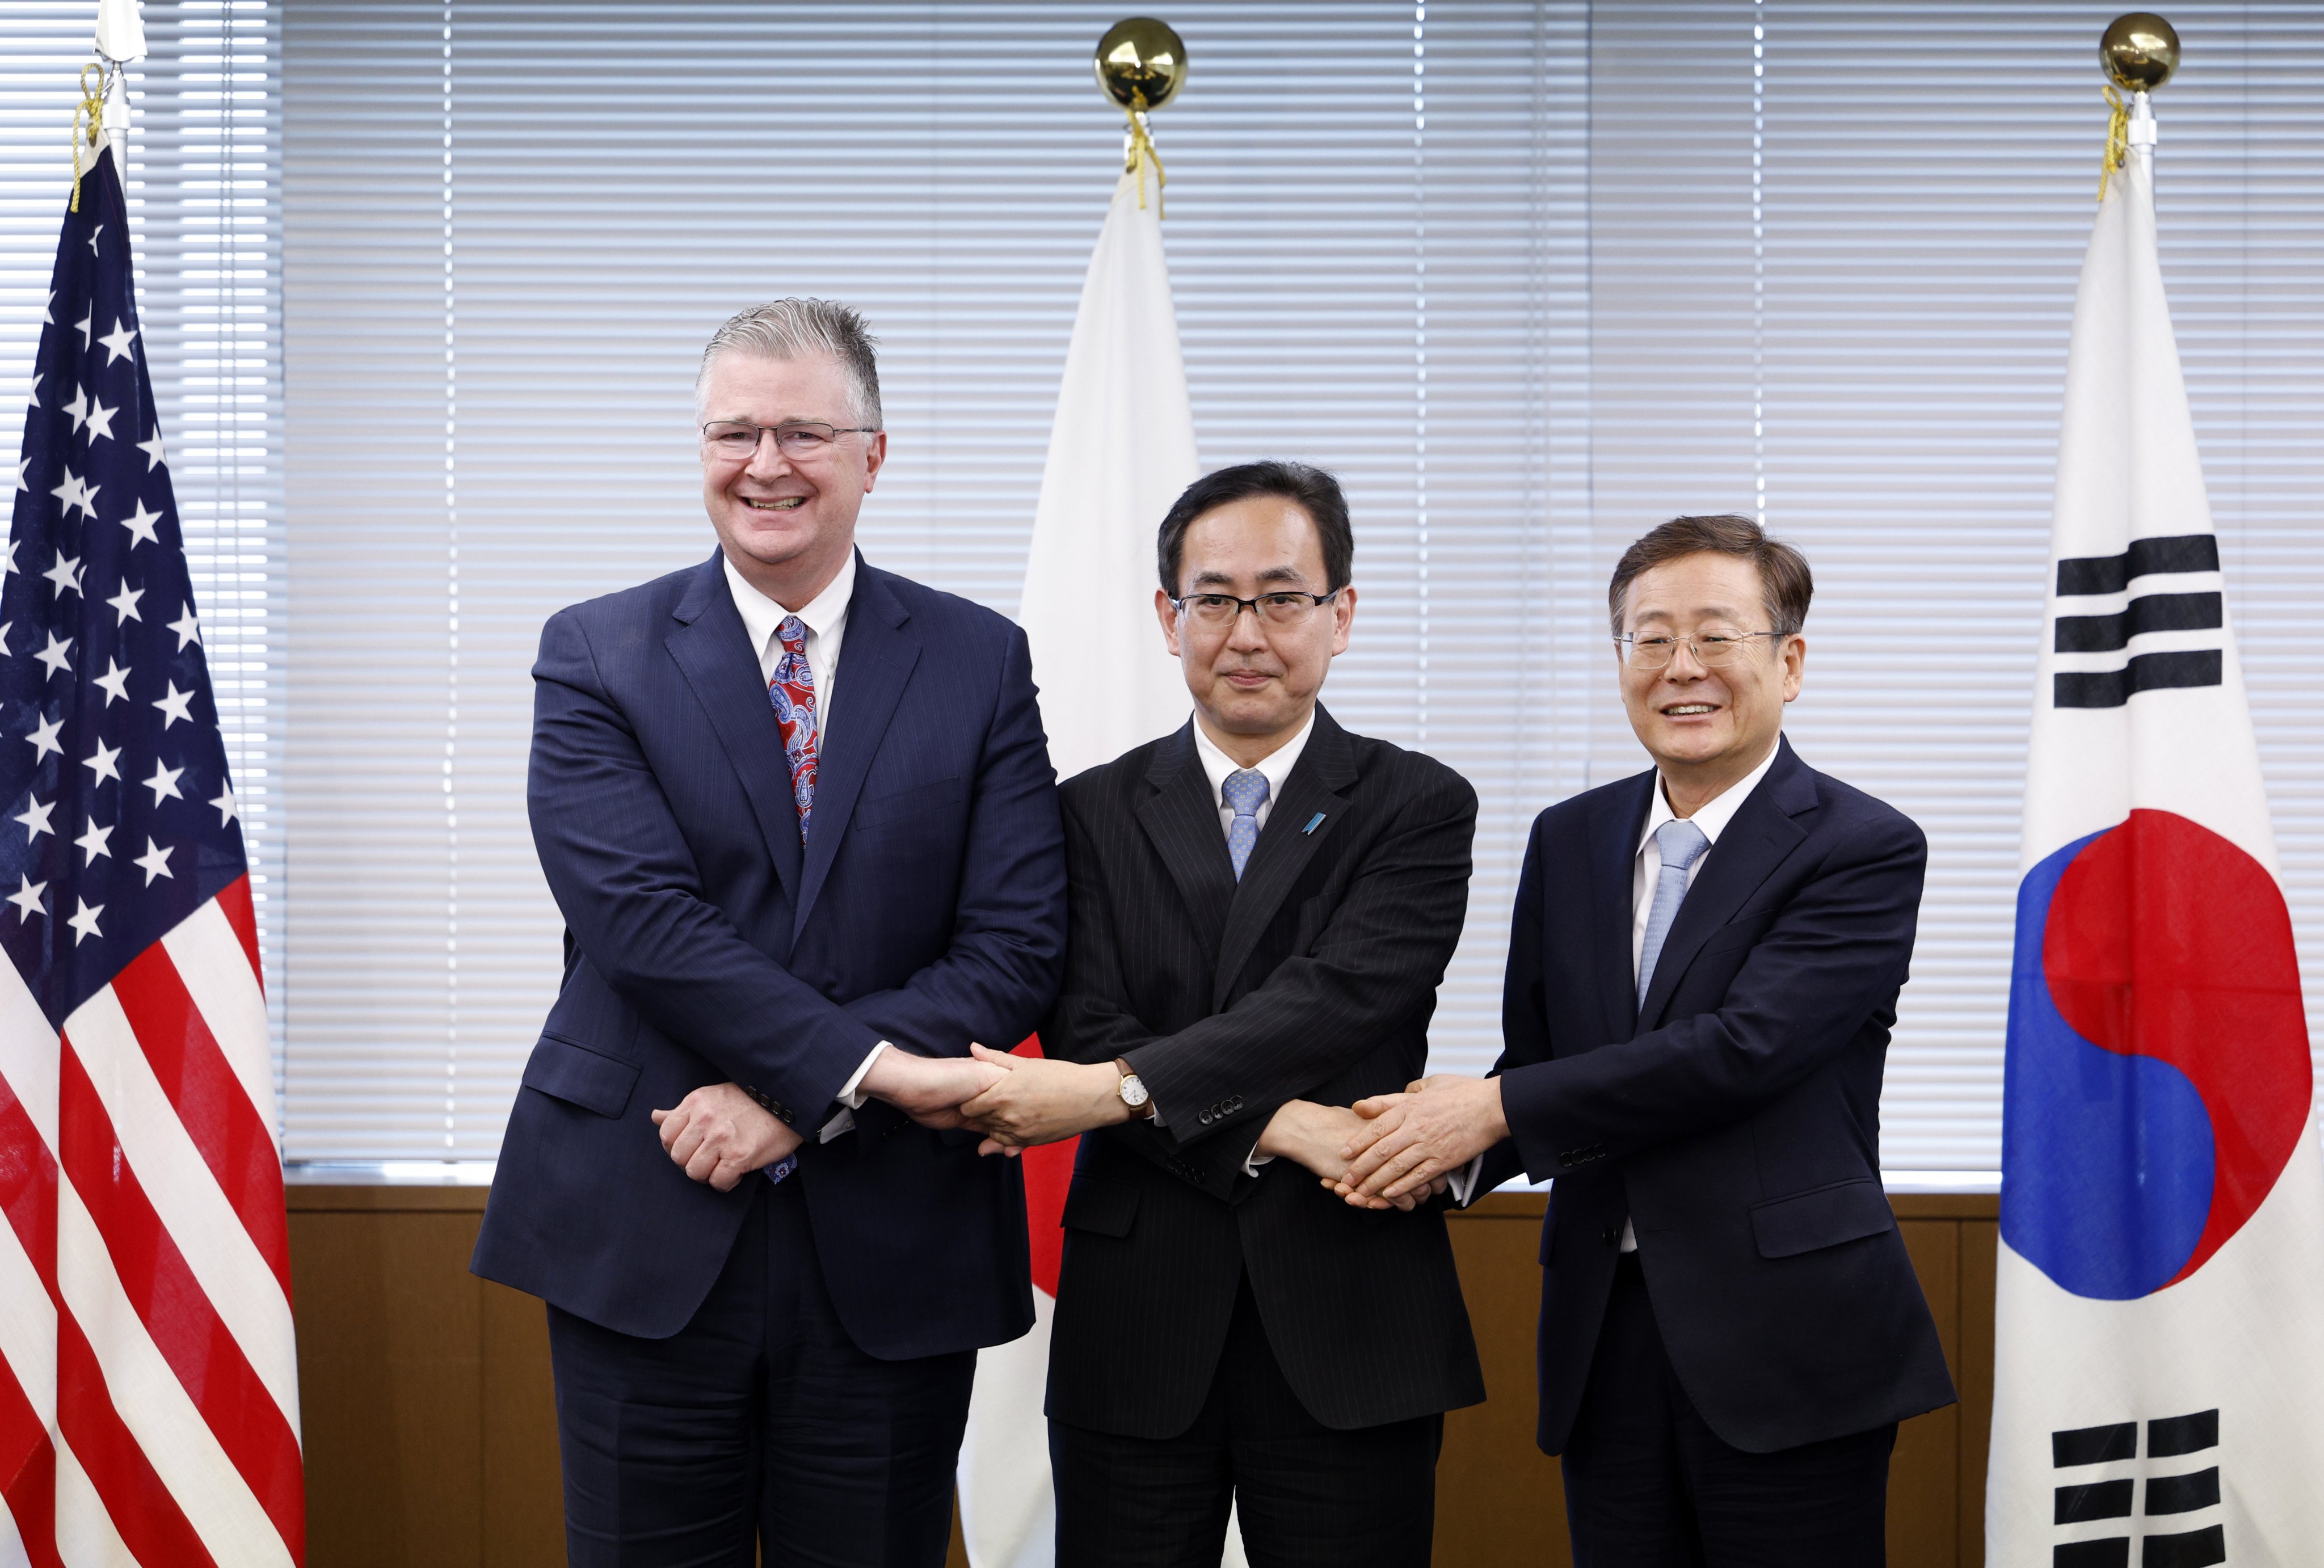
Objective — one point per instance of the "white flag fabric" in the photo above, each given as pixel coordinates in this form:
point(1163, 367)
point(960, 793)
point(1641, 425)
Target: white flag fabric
point(1121, 451)
point(2159, 1360)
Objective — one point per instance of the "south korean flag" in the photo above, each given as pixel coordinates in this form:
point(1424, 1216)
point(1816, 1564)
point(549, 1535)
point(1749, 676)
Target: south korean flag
point(2159, 1367)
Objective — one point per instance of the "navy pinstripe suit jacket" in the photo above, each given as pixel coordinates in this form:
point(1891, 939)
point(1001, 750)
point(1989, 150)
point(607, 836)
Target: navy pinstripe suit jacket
point(704, 943)
point(1313, 978)
point(1735, 1117)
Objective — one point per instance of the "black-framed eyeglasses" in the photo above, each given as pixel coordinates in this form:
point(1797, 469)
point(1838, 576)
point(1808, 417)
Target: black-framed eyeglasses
point(1284, 608)
point(801, 440)
point(1711, 649)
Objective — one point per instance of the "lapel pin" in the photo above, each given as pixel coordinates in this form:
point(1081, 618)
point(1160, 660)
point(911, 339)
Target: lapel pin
point(1313, 823)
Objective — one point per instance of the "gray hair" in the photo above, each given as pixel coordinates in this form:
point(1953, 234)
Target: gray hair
point(797, 329)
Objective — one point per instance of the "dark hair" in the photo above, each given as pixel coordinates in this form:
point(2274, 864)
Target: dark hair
point(1317, 493)
point(1785, 584)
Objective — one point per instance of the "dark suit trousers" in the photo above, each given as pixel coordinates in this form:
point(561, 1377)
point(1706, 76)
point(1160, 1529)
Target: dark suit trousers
point(1648, 1485)
point(759, 1422)
point(1309, 1497)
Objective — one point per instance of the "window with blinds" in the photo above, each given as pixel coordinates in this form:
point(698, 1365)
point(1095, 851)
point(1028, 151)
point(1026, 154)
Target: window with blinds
point(1531, 277)
point(204, 218)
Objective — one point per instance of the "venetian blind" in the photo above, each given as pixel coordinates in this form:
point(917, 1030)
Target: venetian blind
point(1529, 277)
point(203, 210)
point(509, 230)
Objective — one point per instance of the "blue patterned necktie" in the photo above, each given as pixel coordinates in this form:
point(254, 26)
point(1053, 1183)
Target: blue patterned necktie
point(1244, 793)
point(792, 691)
point(1682, 843)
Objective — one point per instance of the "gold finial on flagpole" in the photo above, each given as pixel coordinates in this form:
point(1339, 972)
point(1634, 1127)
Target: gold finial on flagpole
point(1141, 64)
point(2138, 52)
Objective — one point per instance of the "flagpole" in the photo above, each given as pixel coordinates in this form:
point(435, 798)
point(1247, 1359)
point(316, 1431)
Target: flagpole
point(120, 38)
point(2139, 51)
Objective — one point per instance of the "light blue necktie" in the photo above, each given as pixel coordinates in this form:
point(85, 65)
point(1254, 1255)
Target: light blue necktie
point(1245, 792)
point(1682, 843)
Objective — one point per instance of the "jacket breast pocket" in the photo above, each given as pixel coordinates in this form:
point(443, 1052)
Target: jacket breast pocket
point(1820, 1217)
point(569, 1071)
point(1102, 1207)
point(909, 801)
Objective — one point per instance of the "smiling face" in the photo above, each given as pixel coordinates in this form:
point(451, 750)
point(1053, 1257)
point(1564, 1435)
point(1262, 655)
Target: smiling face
point(1254, 682)
point(1707, 728)
point(786, 525)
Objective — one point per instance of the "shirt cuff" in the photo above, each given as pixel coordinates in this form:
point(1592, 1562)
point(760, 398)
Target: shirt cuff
point(1464, 1184)
point(1252, 1161)
point(851, 1098)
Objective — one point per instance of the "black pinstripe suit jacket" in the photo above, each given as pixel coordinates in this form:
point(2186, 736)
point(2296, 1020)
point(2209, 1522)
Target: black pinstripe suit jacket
point(1313, 978)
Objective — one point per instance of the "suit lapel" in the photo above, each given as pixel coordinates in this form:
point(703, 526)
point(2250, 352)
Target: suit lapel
point(1759, 839)
point(1613, 864)
point(1181, 817)
point(1326, 767)
point(714, 652)
point(876, 658)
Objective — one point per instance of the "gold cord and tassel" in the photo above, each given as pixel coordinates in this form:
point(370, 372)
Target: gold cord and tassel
point(1141, 152)
point(89, 121)
point(2117, 147)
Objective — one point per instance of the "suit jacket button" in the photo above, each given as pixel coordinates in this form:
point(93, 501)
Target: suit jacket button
point(1611, 1235)
point(1206, 1118)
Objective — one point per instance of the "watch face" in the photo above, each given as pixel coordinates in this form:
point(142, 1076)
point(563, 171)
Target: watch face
point(1133, 1092)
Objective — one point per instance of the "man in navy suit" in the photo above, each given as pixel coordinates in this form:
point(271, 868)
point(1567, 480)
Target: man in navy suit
point(1702, 976)
point(800, 818)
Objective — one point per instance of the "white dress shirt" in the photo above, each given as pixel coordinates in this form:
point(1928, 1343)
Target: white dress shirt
point(825, 617)
point(1712, 816)
point(1276, 766)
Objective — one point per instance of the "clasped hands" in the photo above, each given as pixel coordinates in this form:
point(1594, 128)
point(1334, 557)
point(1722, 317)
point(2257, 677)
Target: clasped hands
point(719, 1134)
point(1041, 1100)
point(1389, 1151)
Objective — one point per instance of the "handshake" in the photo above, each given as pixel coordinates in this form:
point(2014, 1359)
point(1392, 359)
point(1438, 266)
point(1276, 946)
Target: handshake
point(1391, 1151)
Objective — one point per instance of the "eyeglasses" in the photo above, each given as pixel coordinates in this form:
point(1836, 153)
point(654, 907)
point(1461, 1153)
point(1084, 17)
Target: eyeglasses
point(801, 441)
point(1711, 649)
point(1279, 609)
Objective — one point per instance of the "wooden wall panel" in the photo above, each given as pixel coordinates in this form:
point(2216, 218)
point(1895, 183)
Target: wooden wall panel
point(430, 1426)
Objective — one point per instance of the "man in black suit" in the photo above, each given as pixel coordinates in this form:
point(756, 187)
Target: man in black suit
point(1702, 976)
point(1260, 907)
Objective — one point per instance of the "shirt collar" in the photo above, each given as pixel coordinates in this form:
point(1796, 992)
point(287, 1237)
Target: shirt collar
point(1714, 814)
point(1275, 765)
point(762, 615)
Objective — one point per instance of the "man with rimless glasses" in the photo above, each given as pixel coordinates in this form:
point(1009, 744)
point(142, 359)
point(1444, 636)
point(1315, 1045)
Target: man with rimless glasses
point(1261, 905)
point(1702, 974)
point(799, 814)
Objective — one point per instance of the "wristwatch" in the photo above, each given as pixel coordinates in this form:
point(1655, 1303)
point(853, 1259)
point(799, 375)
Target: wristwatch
point(1133, 1092)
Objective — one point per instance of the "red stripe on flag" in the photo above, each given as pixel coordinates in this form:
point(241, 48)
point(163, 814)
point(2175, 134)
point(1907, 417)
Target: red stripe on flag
point(148, 1519)
point(234, 902)
point(1048, 1172)
point(31, 1471)
point(209, 1100)
point(176, 1311)
point(144, 1513)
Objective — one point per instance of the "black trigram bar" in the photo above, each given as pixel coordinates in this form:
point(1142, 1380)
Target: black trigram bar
point(2110, 688)
point(2094, 1444)
point(2186, 552)
point(2195, 1549)
point(2097, 1499)
point(2170, 1434)
point(2147, 612)
point(2113, 1552)
point(2182, 1494)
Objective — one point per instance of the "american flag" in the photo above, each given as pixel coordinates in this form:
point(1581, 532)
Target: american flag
point(149, 1408)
